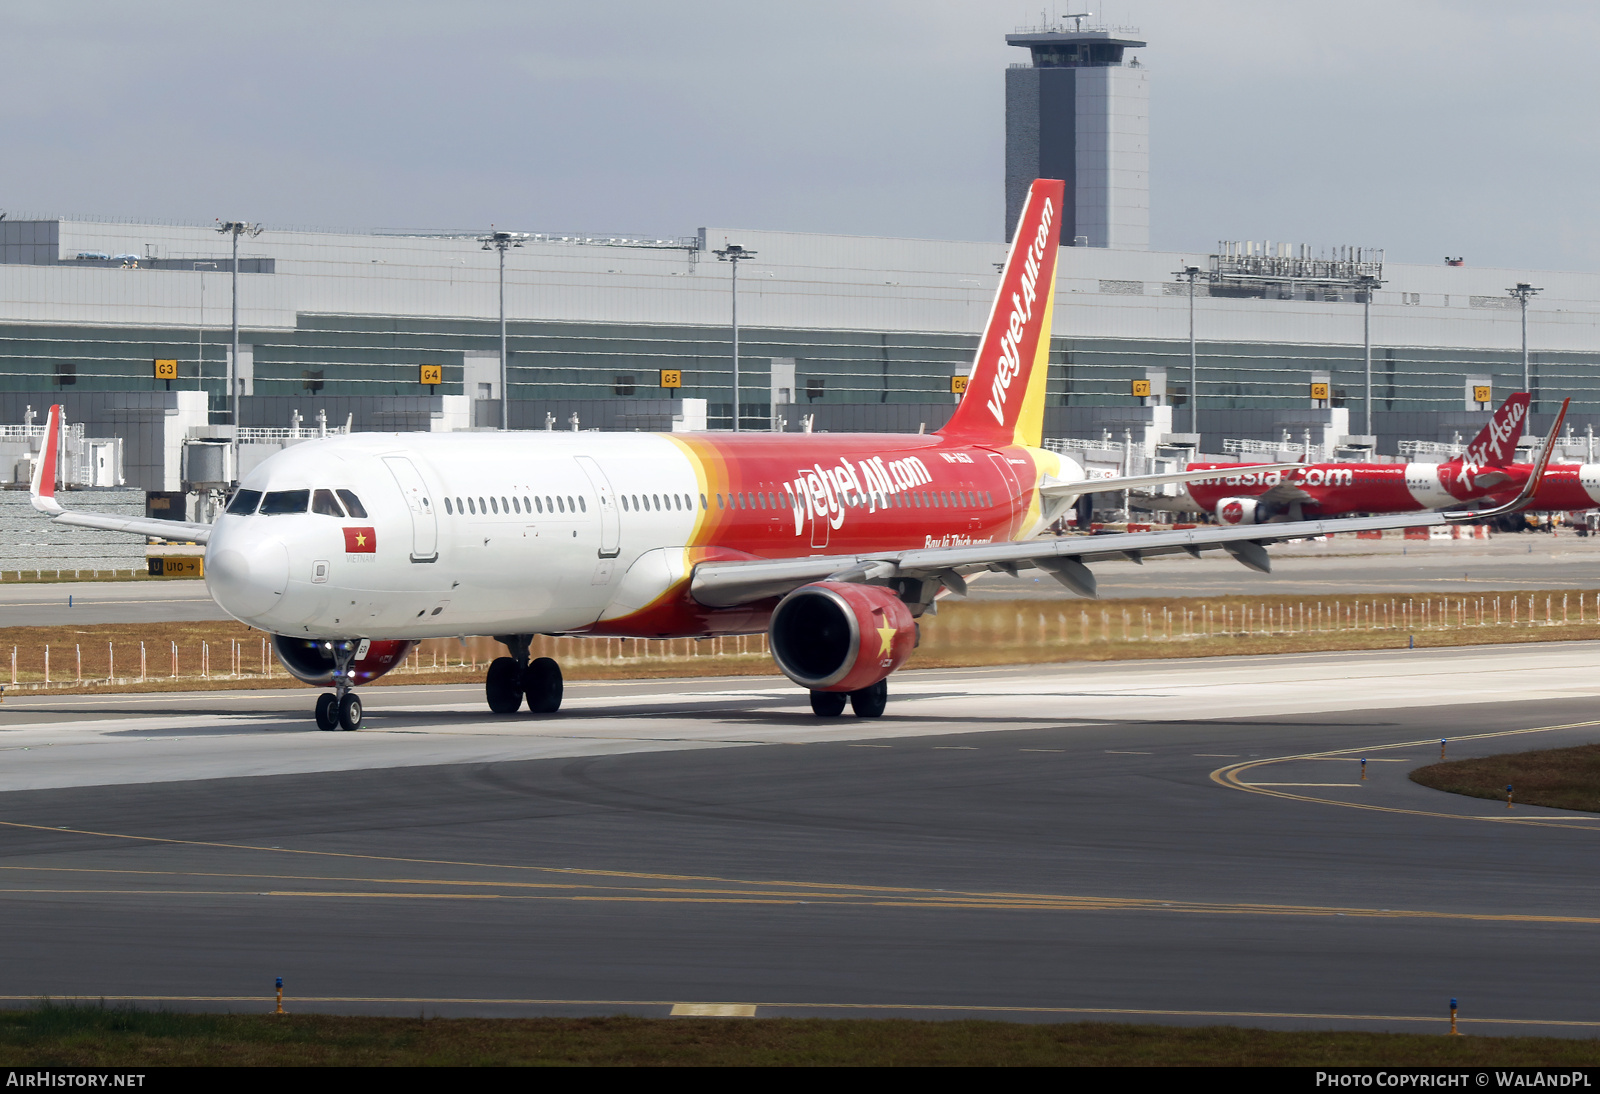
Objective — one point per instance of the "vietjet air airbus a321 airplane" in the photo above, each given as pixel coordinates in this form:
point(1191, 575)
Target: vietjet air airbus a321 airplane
point(1241, 494)
point(351, 549)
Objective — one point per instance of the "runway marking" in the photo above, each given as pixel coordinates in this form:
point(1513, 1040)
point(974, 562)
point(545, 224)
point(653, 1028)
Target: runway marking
point(729, 892)
point(955, 748)
point(1301, 784)
point(1118, 752)
point(938, 1008)
point(1041, 750)
point(1229, 776)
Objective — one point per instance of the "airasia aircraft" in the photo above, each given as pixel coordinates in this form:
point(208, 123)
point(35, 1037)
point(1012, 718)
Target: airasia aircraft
point(351, 549)
point(1242, 494)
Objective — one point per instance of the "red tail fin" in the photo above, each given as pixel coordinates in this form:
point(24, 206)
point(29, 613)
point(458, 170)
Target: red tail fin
point(1004, 401)
point(1496, 444)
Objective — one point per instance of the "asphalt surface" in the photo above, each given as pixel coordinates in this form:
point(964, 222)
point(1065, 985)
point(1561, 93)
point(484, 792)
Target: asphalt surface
point(90, 602)
point(1184, 841)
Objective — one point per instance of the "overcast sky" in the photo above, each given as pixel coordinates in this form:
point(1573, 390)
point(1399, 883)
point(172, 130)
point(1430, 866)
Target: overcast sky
point(1428, 128)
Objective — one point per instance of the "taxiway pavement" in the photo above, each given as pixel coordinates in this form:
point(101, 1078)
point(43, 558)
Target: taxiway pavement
point(1185, 841)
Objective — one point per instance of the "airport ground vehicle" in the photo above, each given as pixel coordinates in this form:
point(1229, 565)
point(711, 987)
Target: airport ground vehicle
point(350, 549)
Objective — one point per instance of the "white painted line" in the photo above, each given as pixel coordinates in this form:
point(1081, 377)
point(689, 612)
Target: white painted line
point(1302, 784)
point(1117, 752)
point(713, 1010)
point(955, 748)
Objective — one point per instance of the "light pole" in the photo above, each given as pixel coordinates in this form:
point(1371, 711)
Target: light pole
point(235, 229)
point(1192, 272)
point(499, 241)
point(735, 254)
point(1523, 292)
point(1367, 284)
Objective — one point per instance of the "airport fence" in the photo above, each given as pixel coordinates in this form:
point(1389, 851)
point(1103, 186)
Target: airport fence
point(961, 632)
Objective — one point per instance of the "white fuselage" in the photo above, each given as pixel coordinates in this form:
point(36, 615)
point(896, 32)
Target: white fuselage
point(541, 546)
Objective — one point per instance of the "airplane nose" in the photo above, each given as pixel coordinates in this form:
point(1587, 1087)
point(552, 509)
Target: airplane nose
point(248, 577)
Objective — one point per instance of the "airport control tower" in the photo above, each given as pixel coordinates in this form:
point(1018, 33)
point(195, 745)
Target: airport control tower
point(1080, 112)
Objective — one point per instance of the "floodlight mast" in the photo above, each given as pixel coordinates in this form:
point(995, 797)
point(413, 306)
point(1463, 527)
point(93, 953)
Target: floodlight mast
point(235, 229)
point(735, 254)
point(1192, 272)
point(1523, 292)
point(500, 241)
point(1367, 284)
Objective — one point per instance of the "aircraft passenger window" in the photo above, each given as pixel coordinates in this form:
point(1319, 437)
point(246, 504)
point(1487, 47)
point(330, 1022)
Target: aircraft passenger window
point(496, 507)
point(772, 501)
point(703, 503)
point(516, 504)
point(656, 500)
point(448, 508)
point(719, 501)
point(282, 502)
point(504, 505)
point(353, 504)
point(483, 506)
point(760, 501)
point(583, 506)
point(560, 506)
point(539, 504)
point(244, 502)
point(549, 506)
point(326, 504)
point(624, 499)
point(472, 507)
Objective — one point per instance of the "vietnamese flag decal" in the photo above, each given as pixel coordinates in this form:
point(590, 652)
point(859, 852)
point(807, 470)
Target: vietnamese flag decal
point(360, 541)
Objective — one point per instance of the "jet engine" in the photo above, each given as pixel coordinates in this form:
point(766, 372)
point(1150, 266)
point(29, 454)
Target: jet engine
point(837, 636)
point(311, 659)
point(1240, 511)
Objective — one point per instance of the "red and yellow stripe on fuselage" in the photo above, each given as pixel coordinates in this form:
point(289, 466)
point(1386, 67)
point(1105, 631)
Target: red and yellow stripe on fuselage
point(774, 495)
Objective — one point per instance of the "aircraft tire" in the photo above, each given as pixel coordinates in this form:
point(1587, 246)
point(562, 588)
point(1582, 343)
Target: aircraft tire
point(541, 681)
point(327, 711)
point(350, 711)
point(503, 686)
point(870, 701)
point(828, 704)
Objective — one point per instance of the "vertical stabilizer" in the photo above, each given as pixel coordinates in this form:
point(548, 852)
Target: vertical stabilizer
point(43, 488)
point(1004, 401)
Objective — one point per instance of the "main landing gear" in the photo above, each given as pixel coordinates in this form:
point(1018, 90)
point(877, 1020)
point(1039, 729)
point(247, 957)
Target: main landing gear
point(868, 702)
point(342, 709)
point(510, 679)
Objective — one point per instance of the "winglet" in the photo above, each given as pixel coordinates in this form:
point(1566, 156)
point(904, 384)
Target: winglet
point(1529, 488)
point(44, 469)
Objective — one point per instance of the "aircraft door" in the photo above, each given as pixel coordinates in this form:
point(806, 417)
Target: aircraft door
point(610, 523)
point(419, 500)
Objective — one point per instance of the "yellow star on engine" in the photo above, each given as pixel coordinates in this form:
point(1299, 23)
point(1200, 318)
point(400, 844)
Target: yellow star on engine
point(886, 633)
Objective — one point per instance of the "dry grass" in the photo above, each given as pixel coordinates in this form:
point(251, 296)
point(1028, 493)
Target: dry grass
point(89, 1036)
point(107, 656)
point(1562, 778)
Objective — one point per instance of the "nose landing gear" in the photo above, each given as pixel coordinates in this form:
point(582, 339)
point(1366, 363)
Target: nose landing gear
point(342, 709)
point(510, 679)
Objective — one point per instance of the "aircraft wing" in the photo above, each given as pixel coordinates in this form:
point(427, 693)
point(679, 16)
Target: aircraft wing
point(43, 490)
point(726, 584)
point(1055, 490)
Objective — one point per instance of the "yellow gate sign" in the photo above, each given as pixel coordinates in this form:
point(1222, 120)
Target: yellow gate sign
point(1141, 389)
point(432, 374)
point(958, 385)
point(177, 566)
point(671, 377)
point(1319, 391)
point(166, 369)
point(1482, 393)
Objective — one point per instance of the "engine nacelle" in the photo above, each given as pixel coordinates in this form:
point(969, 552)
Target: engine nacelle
point(1240, 511)
point(311, 659)
point(838, 636)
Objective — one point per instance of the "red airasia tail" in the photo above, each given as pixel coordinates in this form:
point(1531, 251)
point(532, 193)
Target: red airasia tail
point(349, 550)
point(1249, 495)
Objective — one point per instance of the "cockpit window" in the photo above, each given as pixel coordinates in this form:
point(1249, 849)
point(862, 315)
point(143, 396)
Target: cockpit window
point(324, 502)
point(353, 503)
point(281, 502)
point(244, 502)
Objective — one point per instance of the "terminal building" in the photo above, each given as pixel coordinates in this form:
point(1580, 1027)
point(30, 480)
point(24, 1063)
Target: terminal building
point(401, 330)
